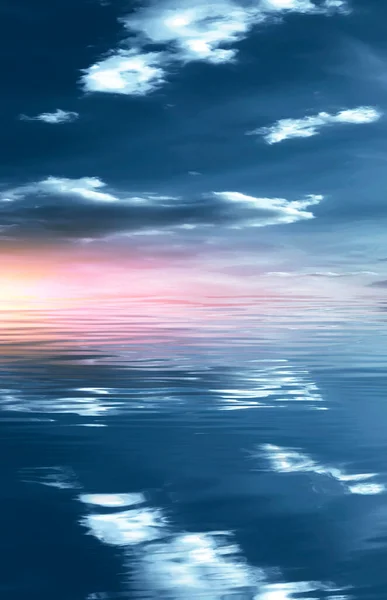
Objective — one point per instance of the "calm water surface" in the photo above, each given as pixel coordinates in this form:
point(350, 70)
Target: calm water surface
point(219, 451)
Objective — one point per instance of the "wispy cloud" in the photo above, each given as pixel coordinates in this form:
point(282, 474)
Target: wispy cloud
point(323, 274)
point(44, 207)
point(309, 126)
point(53, 118)
point(187, 31)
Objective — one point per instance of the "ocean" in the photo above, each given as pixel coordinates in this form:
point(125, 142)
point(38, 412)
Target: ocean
point(219, 450)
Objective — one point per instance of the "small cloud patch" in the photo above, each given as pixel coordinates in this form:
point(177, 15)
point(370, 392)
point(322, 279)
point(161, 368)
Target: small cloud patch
point(126, 72)
point(57, 117)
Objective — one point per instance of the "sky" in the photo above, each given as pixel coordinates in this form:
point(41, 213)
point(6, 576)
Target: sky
point(193, 148)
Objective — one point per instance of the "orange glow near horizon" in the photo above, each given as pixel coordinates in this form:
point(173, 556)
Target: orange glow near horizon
point(56, 276)
point(59, 277)
point(58, 302)
point(56, 279)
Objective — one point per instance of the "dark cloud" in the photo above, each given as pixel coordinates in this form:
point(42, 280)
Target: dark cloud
point(379, 284)
point(64, 209)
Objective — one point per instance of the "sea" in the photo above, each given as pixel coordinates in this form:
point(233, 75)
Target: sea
point(222, 449)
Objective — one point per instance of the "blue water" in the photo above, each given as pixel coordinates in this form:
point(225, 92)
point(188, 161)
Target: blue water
point(210, 451)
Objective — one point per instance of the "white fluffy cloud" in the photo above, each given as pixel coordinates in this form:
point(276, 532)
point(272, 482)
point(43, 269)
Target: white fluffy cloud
point(260, 212)
point(285, 129)
point(189, 31)
point(126, 72)
point(86, 188)
point(197, 30)
point(54, 118)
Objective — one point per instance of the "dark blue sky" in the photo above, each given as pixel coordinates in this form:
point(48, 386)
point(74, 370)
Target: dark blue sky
point(250, 131)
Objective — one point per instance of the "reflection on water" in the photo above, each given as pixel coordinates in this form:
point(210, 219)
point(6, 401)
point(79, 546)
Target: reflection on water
point(220, 450)
point(284, 460)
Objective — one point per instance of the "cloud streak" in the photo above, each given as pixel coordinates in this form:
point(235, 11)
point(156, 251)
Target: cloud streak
point(309, 126)
point(319, 274)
